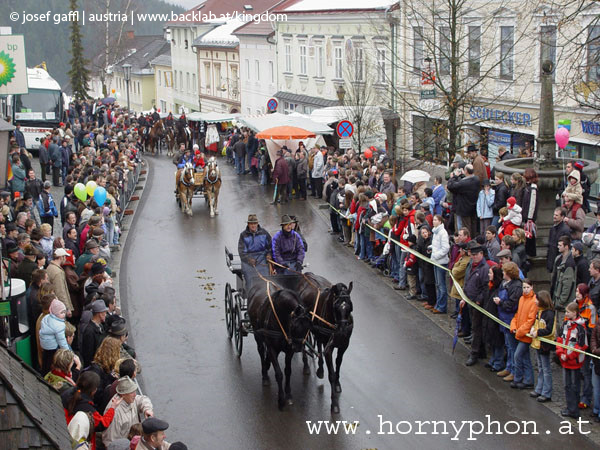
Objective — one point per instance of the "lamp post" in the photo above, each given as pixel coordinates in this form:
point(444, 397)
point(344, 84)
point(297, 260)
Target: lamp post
point(127, 75)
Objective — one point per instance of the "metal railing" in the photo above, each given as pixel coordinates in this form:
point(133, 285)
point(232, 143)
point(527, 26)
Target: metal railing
point(127, 189)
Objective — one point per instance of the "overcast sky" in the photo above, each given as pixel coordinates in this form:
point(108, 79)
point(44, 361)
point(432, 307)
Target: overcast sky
point(187, 4)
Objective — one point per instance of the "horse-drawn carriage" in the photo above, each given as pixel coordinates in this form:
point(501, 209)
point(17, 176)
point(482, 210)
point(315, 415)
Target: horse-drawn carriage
point(290, 313)
point(190, 183)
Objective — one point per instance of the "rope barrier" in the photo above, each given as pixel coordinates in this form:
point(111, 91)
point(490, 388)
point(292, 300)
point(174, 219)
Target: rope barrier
point(461, 292)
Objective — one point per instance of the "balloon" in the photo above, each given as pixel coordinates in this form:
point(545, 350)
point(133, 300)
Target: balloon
point(113, 91)
point(90, 187)
point(368, 153)
point(562, 137)
point(158, 109)
point(80, 193)
point(100, 195)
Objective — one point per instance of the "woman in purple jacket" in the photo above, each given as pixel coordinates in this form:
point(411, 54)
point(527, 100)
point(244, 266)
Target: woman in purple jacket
point(288, 248)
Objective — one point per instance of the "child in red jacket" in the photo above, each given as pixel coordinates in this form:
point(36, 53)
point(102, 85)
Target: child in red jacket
point(573, 335)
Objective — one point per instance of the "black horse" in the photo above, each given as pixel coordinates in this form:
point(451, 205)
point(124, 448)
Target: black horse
point(332, 325)
point(272, 336)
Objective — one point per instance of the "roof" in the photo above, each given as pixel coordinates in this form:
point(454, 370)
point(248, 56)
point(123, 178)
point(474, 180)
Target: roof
point(321, 5)
point(219, 8)
point(264, 121)
point(334, 114)
point(40, 79)
point(5, 126)
point(31, 411)
point(306, 99)
point(126, 46)
point(262, 28)
point(211, 117)
point(220, 36)
point(140, 58)
point(164, 59)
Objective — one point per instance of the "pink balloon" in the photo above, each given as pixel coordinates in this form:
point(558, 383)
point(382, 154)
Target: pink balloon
point(562, 137)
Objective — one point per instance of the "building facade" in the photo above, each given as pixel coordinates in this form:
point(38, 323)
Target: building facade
point(163, 82)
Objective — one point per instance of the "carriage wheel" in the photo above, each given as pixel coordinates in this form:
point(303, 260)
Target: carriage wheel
point(238, 336)
point(229, 310)
point(311, 345)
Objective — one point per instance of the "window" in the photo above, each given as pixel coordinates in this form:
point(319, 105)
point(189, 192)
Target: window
point(381, 66)
point(193, 82)
point(159, 78)
point(163, 106)
point(320, 60)
point(548, 46)
point(289, 107)
point(359, 64)
point(417, 50)
point(288, 56)
point(185, 39)
point(593, 53)
point(445, 51)
point(217, 75)
point(175, 79)
point(257, 69)
point(181, 81)
point(303, 58)
point(272, 71)
point(338, 56)
point(248, 69)
point(207, 77)
point(187, 81)
point(507, 43)
point(474, 51)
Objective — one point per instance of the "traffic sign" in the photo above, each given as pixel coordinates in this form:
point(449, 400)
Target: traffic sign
point(345, 143)
point(13, 69)
point(272, 104)
point(344, 129)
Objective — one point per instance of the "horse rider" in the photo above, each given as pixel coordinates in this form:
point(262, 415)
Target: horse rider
point(182, 120)
point(169, 121)
point(254, 248)
point(141, 120)
point(288, 248)
point(155, 116)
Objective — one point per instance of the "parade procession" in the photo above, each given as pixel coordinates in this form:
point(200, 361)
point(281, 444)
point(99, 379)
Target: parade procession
point(299, 224)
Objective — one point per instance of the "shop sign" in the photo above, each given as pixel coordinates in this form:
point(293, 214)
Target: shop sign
point(589, 127)
point(428, 93)
point(500, 115)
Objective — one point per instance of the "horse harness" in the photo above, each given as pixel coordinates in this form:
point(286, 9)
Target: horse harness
point(182, 178)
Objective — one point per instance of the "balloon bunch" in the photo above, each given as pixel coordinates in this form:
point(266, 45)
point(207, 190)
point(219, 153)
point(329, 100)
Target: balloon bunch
point(82, 191)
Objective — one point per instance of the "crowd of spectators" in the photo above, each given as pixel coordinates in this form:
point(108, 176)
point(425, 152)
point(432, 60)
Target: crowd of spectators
point(62, 249)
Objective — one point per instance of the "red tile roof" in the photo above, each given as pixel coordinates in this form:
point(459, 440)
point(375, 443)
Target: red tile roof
point(255, 28)
point(220, 8)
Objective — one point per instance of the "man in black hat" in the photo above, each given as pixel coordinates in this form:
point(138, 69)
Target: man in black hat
point(288, 249)
point(254, 248)
point(153, 435)
point(476, 289)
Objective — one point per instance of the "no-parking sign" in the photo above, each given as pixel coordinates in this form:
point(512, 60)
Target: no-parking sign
point(272, 104)
point(344, 129)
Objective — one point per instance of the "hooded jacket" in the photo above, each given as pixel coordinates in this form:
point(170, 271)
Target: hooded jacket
point(573, 335)
point(254, 245)
point(524, 319)
point(440, 245)
point(563, 286)
point(287, 247)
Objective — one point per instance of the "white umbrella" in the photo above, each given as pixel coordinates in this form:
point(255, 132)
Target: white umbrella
point(415, 176)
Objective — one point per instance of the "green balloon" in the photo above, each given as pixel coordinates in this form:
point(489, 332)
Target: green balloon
point(80, 192)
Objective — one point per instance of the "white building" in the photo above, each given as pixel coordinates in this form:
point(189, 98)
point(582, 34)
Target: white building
point(163, 82)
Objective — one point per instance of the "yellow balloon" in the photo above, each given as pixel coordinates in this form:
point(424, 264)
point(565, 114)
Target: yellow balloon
point(113, 91)
point(90, 187)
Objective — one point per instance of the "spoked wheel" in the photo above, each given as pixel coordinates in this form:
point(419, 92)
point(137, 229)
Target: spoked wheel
point(311, 345)
point(238, 334)
point(229, 310)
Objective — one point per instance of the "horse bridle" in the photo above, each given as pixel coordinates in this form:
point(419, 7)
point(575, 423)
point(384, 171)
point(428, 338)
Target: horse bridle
point(182, 176)
point(214, 170)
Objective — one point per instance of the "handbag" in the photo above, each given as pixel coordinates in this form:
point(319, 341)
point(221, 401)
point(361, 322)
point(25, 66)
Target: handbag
point(254, 162)
point(541, 324)
point(530, 229)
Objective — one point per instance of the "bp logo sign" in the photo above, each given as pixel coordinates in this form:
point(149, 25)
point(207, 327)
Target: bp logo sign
point(7, 69)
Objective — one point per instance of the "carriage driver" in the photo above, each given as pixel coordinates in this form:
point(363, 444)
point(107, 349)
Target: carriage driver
point(185, 158)
point(288, 249)
point(254, 245)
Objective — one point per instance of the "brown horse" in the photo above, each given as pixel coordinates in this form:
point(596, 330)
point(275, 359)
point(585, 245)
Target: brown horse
point(170, 141)
point(156, 133)
point(212, 185)
point(182, 134)
point(184, 182)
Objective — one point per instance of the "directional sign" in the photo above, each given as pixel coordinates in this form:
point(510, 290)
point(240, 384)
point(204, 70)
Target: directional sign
point(344, 129)
point(272, 104)
point(345, 143)
point(13, 69)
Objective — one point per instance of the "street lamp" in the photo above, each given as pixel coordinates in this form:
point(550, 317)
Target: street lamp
point(127, 75)
point(341, 93)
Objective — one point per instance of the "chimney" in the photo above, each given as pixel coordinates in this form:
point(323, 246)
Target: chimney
point(130, 34)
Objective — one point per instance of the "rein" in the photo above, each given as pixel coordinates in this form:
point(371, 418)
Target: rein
point(182, 179)
point(287, 339)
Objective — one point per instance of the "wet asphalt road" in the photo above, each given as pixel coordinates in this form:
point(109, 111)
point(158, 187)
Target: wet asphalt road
point(399, 364)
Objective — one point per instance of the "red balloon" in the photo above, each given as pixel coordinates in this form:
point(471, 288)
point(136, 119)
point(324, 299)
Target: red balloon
point(158, 109)
point(368, 153)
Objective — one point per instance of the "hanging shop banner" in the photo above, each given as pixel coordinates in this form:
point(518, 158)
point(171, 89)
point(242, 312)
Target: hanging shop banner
point(496, 139)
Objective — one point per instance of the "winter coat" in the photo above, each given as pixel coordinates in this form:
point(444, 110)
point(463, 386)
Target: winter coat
point(595, 292)
point(91, 338)
point(318, 169)
point(302, 168)
point(583, 270)
point(287, 247)
point(459, 271)
point(57, 278)
point(19, 137)
point(530, 203)
point(509, 293)
point(574, 189)
point(519, 257)
point(18, 180)
point(575, 221)
point(254, 245)
point(563, 286)
point(466, 192)
point(524, 319)
point(44, 155)
point(477, 282)
point(548, 316)
point(491, 330)
point(439, 197)
point(514, 216)
point(46, 205)
point(281, 171)
point(485, 204)
point(501, 195)
point(556, 232)
point(55, 155)
point(52, 333)
point(573, 335)
point(493, 247)
point(126, 415)
point(423, 246)
point(595, 342)
point(440, 245)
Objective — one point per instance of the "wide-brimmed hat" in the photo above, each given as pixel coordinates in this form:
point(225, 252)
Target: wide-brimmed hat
point(252, 218)
point(118, 328)
point(126, 385)
point(91, 244)
point(474, 246)
point(286, 219)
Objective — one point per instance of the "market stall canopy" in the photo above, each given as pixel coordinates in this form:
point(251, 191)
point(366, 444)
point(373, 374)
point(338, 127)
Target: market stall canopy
point(262, 122)
point(285, 132)
point(212, 117)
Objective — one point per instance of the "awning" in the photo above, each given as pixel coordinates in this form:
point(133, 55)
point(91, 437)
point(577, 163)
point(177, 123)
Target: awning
point(262, 122)
point(336, 113)
point(318, 102)
point(212, 117)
